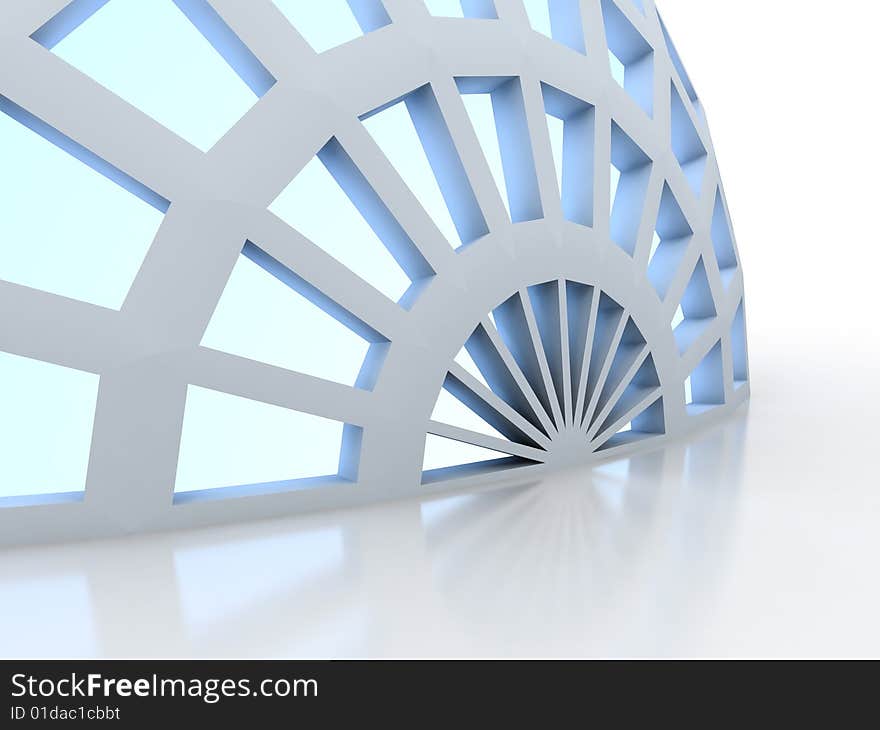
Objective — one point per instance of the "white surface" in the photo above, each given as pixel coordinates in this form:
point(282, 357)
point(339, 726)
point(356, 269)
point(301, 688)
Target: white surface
point(761, 539)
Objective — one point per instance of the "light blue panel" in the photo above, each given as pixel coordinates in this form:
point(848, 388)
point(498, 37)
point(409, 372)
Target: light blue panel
point(686, 143)
point(317, 207)
point(722, 240)
point(672, 238)
point(615, 183)
point(452, 411)
point(441, 453)
point(651, 421)
point(632, 186)
point(556, 127)
point(678, 317)
point(645, 380)
point(479, 9)
point(395, 133)
point(707, 380)
point(566, 26)
point(464, 359)
point(231, 441)
point(697, 302)
point(679, 66)
point(655, 244)
point(421, 136)
point(572, 126)
point(225, 41)
point(261, 318)
point(462, 8)
point(559, 20)
point(630, 53)
point(509, 128)
point(515, 142)
point(618, 70)
point(739, 346)
point(151, 55)
point(64, 227)
point(539, 16)
point(46, 418)
point(370, 14)
point(324, 24)
point(482, 116)
point(696, 312)
point(445, 8)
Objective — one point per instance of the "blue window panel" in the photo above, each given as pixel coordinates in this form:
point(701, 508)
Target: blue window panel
point(46, 423)
point(152, 55)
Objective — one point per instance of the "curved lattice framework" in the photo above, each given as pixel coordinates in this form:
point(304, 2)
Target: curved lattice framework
point(552, 253)
point(557, 371)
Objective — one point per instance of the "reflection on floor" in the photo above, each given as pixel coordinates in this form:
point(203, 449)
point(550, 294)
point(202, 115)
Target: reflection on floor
point(620, 559)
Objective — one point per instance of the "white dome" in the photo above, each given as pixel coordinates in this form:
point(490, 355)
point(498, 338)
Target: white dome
point(248, 261)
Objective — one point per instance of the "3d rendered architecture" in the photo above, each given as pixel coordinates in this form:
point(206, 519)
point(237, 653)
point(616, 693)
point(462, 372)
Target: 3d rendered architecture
point(378, 252)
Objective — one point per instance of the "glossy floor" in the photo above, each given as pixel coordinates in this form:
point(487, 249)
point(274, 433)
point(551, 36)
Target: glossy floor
point(759, 538)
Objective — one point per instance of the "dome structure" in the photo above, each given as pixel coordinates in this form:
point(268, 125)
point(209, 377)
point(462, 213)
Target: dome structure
point(302, 255)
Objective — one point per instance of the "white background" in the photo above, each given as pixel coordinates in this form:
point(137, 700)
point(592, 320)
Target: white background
point(762, 539)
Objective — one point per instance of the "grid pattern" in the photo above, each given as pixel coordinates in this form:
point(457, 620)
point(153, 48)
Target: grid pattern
point(613, 240)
